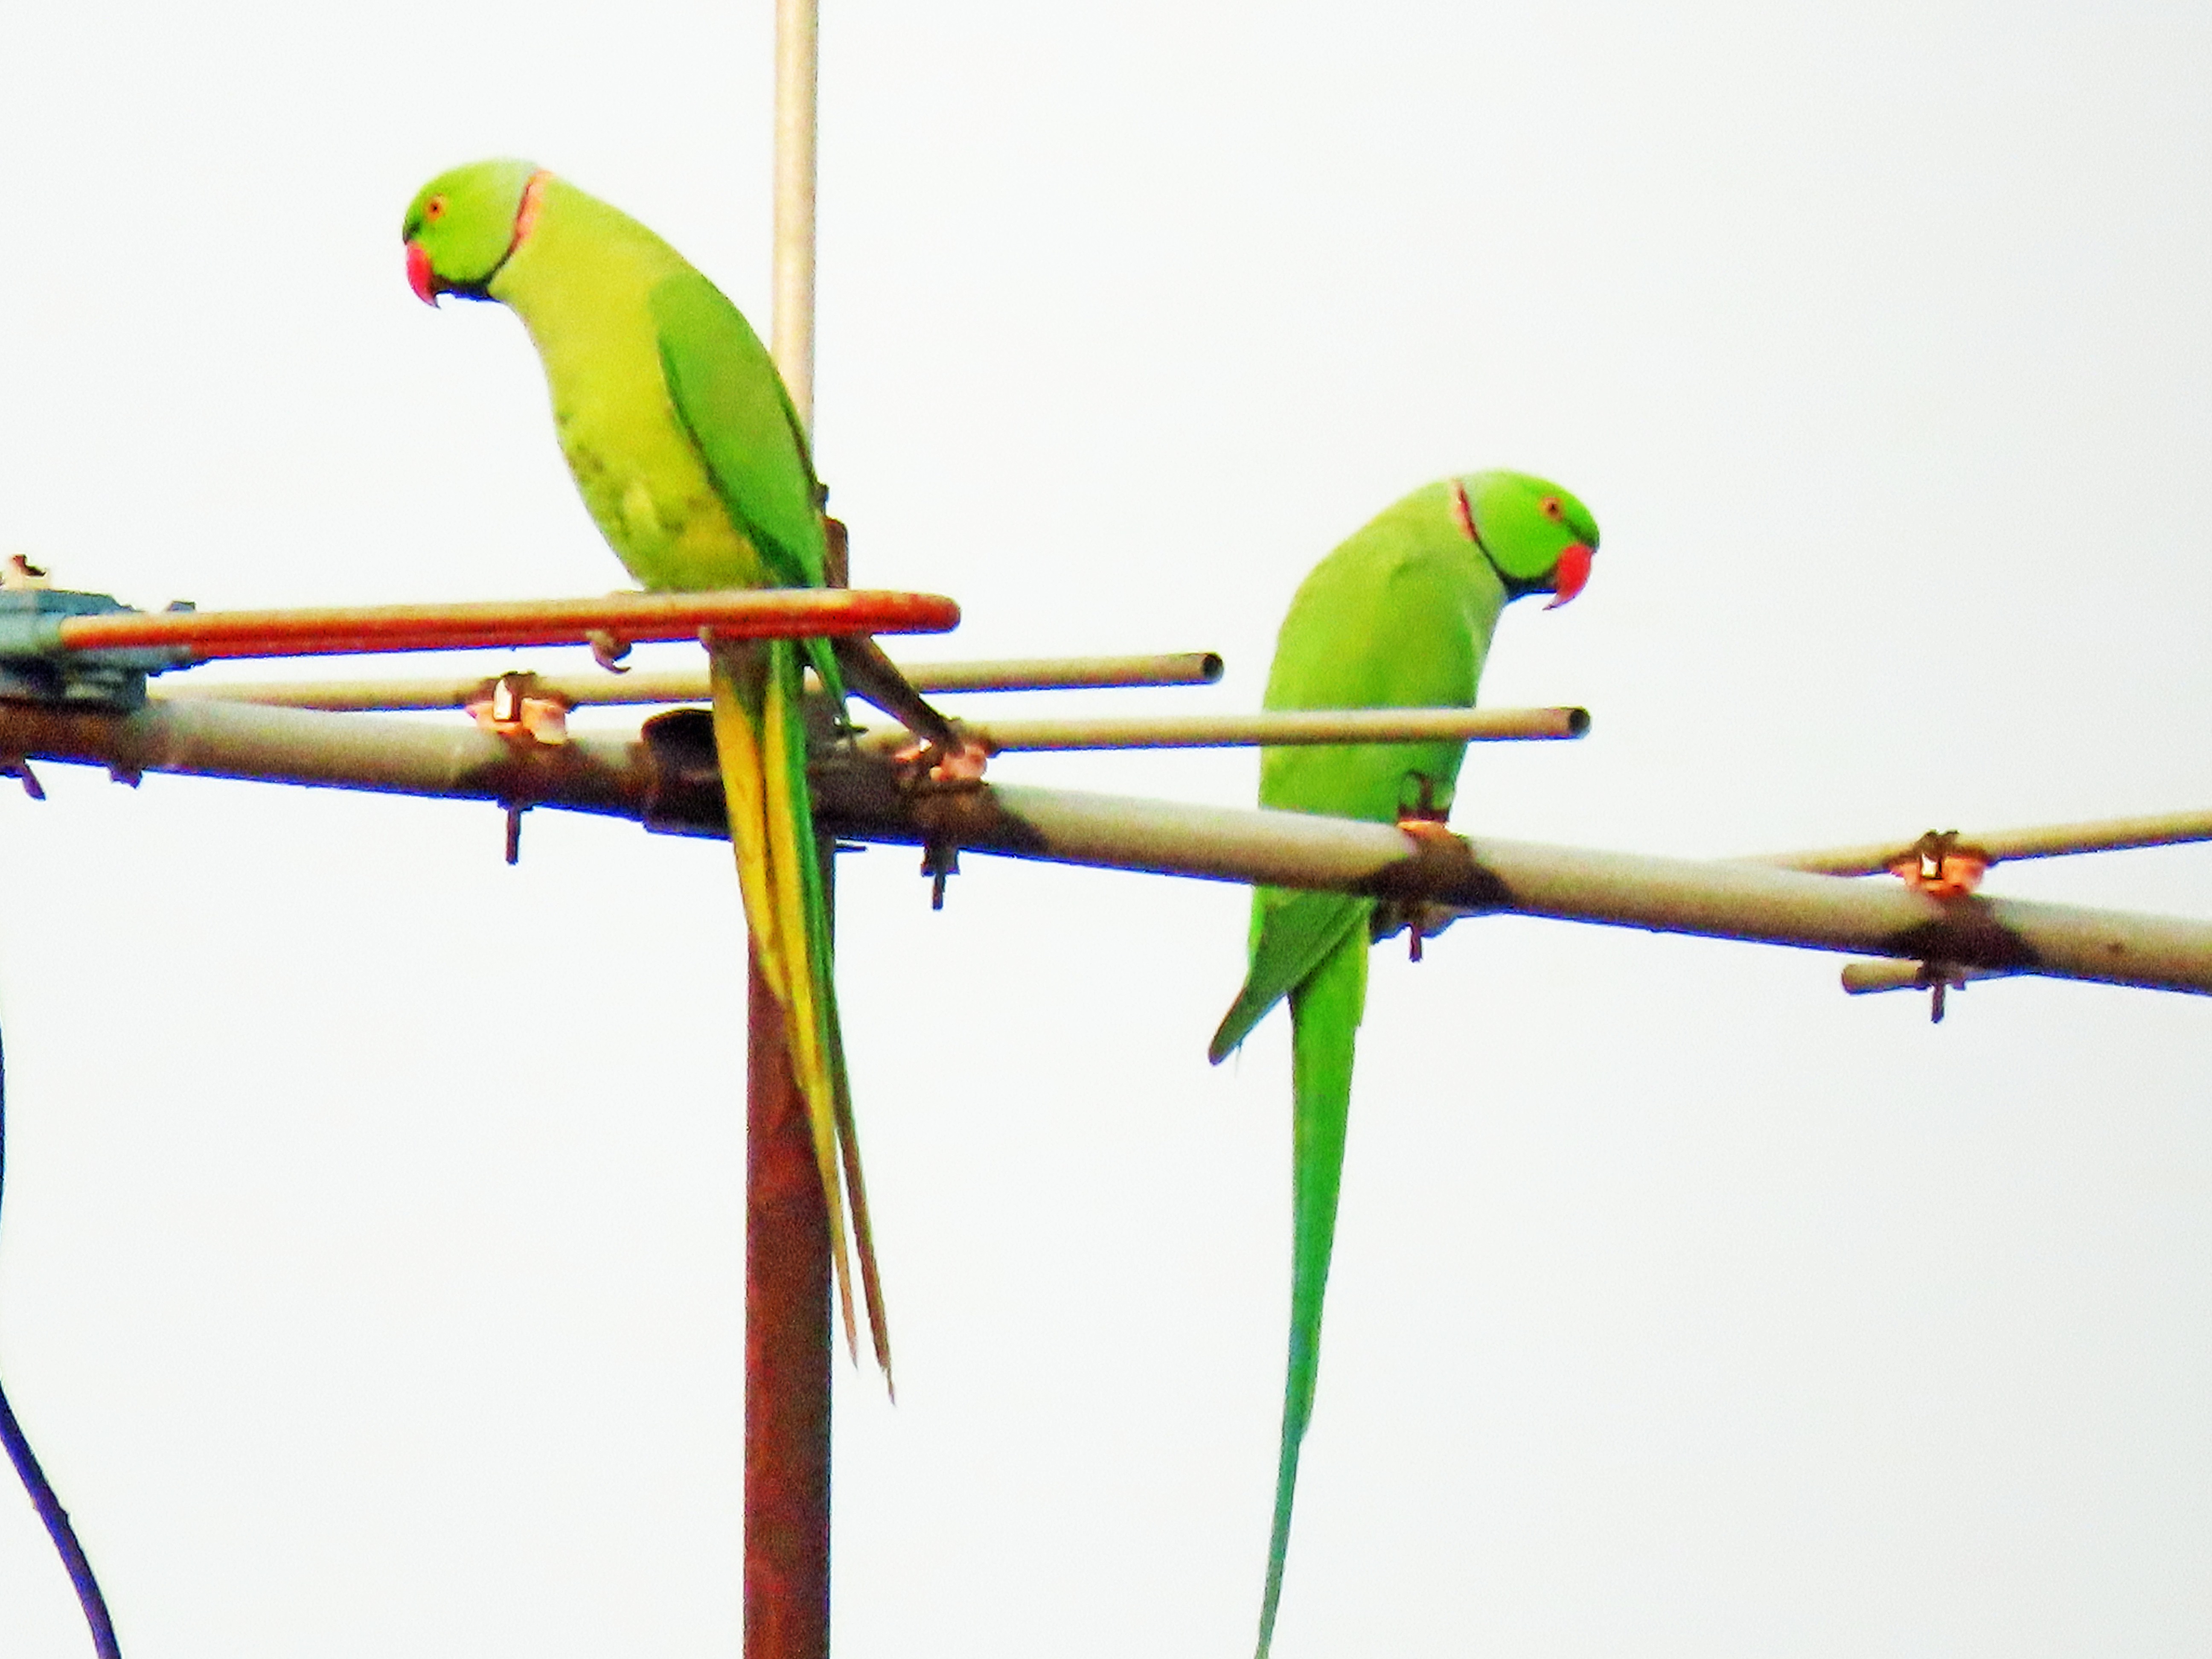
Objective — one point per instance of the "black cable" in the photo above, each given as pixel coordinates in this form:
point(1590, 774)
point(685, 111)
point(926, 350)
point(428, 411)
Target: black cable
point(41, 1490)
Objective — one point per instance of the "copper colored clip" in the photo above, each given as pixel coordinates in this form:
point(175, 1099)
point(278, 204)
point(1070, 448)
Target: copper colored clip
point(1941, 866)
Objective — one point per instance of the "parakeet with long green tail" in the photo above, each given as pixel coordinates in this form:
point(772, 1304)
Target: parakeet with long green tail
point(682, 439)
point(1399, 616)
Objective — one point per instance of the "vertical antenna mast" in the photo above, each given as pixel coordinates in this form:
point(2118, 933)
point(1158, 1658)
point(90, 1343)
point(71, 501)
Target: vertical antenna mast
point(788, 1341)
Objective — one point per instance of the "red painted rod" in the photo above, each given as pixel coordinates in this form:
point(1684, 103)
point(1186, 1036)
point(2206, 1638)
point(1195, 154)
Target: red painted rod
point(344, 630)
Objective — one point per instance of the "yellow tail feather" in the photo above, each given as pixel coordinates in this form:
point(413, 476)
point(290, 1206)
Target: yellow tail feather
point(756, 725)
point(803, 1023)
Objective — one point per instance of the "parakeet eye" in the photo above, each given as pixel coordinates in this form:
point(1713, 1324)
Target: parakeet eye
point(434, 208)
point(1553, 510)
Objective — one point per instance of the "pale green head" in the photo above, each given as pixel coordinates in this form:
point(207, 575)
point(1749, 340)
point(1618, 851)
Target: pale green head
point(463, 224)
point(1538, 538)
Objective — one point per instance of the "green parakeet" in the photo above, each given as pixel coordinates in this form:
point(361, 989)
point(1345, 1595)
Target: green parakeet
point(1399, 616)
point(693, 463)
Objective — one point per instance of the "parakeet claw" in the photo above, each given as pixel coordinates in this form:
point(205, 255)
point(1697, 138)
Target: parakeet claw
point(607, 651)
point(1432, 831)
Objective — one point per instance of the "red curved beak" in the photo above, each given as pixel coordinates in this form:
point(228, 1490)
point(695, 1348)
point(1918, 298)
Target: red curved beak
point(1572, 576)
point(420, 276)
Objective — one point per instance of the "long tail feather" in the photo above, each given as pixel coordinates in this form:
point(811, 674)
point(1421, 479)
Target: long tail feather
point(856, 1190)
point(793, 855)
point(1325, 1014)
point(760, 736)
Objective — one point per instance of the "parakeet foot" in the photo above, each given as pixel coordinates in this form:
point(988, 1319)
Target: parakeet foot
point(1425, 824)
point(1430, 829)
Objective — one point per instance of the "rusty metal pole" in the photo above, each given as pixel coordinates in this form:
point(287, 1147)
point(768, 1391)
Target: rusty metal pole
point(787, 1355)
point(787, 1340)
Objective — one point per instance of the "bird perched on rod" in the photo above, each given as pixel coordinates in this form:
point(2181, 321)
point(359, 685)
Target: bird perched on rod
point(682, 440)
point(1399, 616)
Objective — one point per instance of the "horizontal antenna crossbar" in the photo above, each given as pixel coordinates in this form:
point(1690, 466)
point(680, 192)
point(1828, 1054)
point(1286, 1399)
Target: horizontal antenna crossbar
point(623, 775)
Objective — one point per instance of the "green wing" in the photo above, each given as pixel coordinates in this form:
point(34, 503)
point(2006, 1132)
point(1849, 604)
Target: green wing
point(1294, 933)
point(1399, 616)
point(732, 402)
point(1396, 616)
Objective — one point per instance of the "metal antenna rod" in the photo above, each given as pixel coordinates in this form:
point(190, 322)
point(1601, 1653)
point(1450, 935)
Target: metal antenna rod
point(788, 1342)
point(647, 685)
point(792, 329)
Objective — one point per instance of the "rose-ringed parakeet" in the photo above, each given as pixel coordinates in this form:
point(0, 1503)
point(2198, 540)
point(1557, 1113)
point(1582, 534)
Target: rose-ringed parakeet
point(683, 441)
point(1399, 616)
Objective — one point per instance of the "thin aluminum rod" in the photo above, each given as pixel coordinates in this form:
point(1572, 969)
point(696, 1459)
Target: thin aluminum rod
point(392, 695)
point(1721, 900)
point(763, 613)
point(644, 686)
point(1269, 729)
point(2045, 841)
point(797, 63)
point(1866, 978)
point(1068, 673)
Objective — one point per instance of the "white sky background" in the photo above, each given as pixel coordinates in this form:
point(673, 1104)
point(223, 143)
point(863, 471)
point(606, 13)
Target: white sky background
point(370, 1263)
